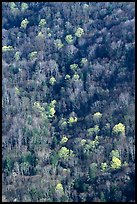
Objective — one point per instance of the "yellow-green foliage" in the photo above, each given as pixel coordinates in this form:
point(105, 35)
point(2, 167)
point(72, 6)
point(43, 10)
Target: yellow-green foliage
point(85, 7)
point(17, 91)
point(67, 76)
point(83, 61)
point(42, 23)
point(75, 77)
point(63, 124)
point(38, 106)
point(52, 104)
point(52, 112)
point(49, 35)
point(104, 166)
point(58, 44)
point(41, 35)
point(59, 188)
point(97, 116)
point(7, 48)
point(72, 120)
point(118, 128)
point(79, 32)
point(52, 81)
point(24, 7)
point(125, 163)
point(94, 130)
point(65, 153)
point(33, 55)
point(115, 153)
point(115, 163)
point(94, 142)
point(74, 67)
point(69, 39)
point(90, 131)
point(83, 142)
point(13, 8)
point(17, 56)
point(64, 140)
point(24, 23)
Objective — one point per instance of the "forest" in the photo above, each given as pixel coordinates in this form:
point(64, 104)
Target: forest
point(68, 102)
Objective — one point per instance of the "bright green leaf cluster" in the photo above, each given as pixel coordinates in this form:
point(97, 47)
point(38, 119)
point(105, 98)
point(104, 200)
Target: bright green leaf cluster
point(65, 153)
point(94, 130)
point(64, 140)
point(69, 39)
point(13, 7)
point(115, 163)
point(52, 103)
point(76, 77)
point(94, 143)
point(85, 7)
point(67, 76)
point(115, 153)
point(24, 7)
point(79, 32)
point(17, 91)
point(33, 55)
point(97, 116)
point(52, 112)
point(74, 67)
point(59, 188)
point(84, 61)
point(41, 35)
point(58, 43)
point(42, 23)
point(38, 106)
point(7, 48)
point(24, 23)
point(119, 128)
point(83, 142)
point(72, 120)
point(52, 81)
point(17, 56)
point(104, 166)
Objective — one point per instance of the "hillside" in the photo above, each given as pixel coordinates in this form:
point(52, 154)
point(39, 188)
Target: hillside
point(68, 101)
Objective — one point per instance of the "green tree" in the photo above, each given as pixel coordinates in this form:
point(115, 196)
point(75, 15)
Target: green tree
point(104, 166)
point(42, 23)
point(93, 170)
point(83, 61)
point(24, 23)
point(74, 67)
point(67, 77)
point(7, 48)
point(115, 163)
point(65, 153)
point(72, 120)
point(24, 7)
point(58, 43)
point(76, 77)
point(79, 32)
point(63, 140)
point(115, 153)
point(52, 81)
point(97, 116)
point(69, 39)
point(33, 55)
point(13, 7)
point(118, 128)
point(17, 56)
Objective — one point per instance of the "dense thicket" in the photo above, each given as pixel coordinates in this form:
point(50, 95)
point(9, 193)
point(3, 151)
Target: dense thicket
point(68, 101)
